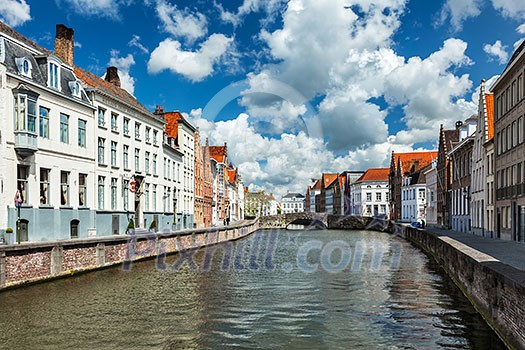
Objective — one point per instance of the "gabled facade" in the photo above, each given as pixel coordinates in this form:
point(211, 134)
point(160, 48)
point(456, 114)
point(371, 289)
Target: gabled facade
point(431, 185)
point(402, 165)
point(325, 198)
point(414, 196)
point(207, 186)
point(311, 196)
point(292, 203)
point(219, 165)
point(447, 140)
point(482, 178)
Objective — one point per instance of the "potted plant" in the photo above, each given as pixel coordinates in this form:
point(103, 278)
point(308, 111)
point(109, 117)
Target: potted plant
point(131, 226)
point(153, 226)
point(9, 236)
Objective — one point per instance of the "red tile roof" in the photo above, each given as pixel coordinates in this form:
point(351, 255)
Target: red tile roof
point(418, 159)
point(218, 153)
point(172, 123)
point(232, 174)
point(328, 179)
point(375, 174)
point(489, 100)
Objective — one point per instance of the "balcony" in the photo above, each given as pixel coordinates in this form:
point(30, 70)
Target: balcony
point(25, 143)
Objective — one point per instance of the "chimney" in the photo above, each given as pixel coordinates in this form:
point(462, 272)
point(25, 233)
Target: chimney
point(159, 109)
point(64, 43)
point(459, 123)
point(112, 76)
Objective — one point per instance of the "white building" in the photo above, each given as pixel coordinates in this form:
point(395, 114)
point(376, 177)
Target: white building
point(413, 197)
point(292, 203)
point(431, 185)
point(369, 194)
point(313, 192)
point(482, 177)
point(46, 141)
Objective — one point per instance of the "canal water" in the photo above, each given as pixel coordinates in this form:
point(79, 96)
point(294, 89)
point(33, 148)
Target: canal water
point(272, 290)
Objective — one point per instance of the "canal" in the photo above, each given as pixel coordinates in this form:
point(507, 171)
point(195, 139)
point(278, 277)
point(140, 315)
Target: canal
point(280, 289)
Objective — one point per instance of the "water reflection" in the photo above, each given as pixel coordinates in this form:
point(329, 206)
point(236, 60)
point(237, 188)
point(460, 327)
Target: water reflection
point(369, 304)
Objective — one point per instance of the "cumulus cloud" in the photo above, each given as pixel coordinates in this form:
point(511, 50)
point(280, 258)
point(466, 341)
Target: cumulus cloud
point(459, 10)
point(193, 65)
point(101, 8)
point(497, 51)
point(521, 29)
point(14, 12)
point(127, 82)
point(181, 23)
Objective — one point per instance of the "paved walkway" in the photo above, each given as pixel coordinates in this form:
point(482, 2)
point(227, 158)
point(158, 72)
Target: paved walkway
point(508, 252)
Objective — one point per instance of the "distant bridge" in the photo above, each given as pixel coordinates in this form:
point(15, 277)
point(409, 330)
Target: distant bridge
point(323, 221)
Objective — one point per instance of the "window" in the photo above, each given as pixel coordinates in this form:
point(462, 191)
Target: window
point(114, 118)
point(125, 192)
point(43, 122)
point(125, 157)
point(421, 193)
point(154, 198)
point(514, 134)
point(146, 194)
point(146, 162)
point(74, 87)
point(81, 133)
point(101, 180)
point(24, 66)
point(154, 164)
point(520, 87)
point(113, 153)
point(22, 177)
point(155, 134)
point(25, 113)
point(369, 196)
point(101, 117)
point(82, 190)
point(147, 134)
point(126, 126)
point(137, 131)
point(64, 188)
point(101, 150)
point(520, 130)
point(113, 193)
point(64, 128)
point(44, 186)
point(137, 159)
point(54, 76)
point(378, 197)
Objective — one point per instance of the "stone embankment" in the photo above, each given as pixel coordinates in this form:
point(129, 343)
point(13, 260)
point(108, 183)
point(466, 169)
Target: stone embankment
point(495, 289)
point(28, 263)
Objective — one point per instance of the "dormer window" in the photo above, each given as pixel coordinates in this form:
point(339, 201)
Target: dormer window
point(53, 74)
point(74, 87)
point(24, 66)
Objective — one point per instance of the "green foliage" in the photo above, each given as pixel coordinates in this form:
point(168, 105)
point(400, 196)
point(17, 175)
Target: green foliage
point(9, 230)
point(131, 224)
point(153, 225)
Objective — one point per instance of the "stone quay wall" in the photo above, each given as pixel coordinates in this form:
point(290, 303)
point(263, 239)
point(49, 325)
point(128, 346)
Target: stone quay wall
point(495, 289)
point(28, 263)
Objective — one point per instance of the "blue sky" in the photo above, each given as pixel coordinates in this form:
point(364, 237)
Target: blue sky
point(295, 87)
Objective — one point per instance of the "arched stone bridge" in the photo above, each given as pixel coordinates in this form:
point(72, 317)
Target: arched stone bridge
point(323, 221)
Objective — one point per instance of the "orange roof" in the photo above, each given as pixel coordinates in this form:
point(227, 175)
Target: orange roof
point(489, 100)
point(410, 159)
point(375, 174)
point(218, 153)
point(172, 123)
point(328, 179)
point(111, 89)
point(232, 173)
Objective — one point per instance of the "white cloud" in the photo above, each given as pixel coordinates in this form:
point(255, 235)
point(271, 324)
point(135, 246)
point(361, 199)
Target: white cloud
point(14, 12)
point(102, 8)
point(127, 82)
point(181, 23)
point(498, 51)
point(459, 11)
point(521, 29)
point(135, 42)
point(510, 8)
point(193, 65)
point(270, 7)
